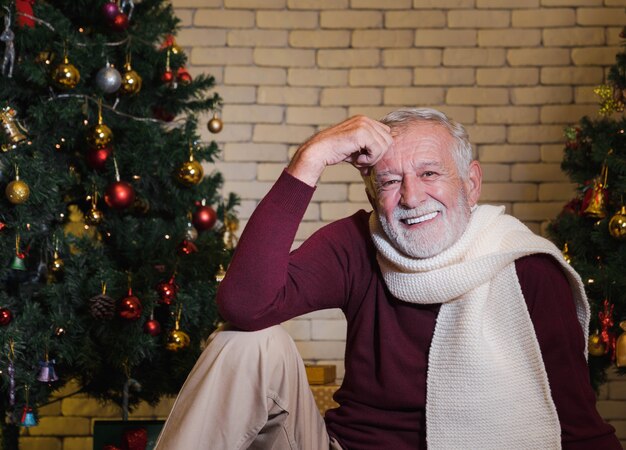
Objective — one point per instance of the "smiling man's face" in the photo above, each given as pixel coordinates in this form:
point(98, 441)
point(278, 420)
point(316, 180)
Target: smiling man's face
point(423, 204)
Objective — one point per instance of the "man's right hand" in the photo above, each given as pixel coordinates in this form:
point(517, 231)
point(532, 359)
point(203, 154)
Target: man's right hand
point(359, 140)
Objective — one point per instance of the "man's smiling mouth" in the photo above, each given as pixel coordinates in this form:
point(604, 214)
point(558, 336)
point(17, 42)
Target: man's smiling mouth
point(420, 219)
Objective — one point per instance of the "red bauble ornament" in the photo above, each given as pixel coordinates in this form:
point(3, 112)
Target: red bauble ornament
point(162, 114)
point(119, 195)
point(187, 247)
point(183, 76)
point(97, 157)
point(120, 22)
point(167, 291)
point(152, 327)
point(24, 7)
point(167, 76)
point(5, 316)
point(204, 218)
point(110, 10)
point(130, 307)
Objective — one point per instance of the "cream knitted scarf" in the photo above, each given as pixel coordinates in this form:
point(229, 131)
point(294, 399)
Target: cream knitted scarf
point(487, 386)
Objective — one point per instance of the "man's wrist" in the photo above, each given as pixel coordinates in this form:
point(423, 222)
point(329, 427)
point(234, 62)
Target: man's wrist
point(305, 168)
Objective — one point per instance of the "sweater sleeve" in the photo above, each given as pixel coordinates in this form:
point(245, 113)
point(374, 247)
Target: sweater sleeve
point(561, 340)
point(266, 284)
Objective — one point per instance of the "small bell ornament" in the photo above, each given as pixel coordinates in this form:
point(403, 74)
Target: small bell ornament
point(131, 81)
point(595, 200)
point(215, 125)
point(220, 274)
point(65, 75)
point(190, 173)
point(28, 417)
point(596, 346)
point(18, 259)
point(617, 224)
point(620, 346)
point(17, 191)
point(47, 374)
point(12, 128)
point(108, 79)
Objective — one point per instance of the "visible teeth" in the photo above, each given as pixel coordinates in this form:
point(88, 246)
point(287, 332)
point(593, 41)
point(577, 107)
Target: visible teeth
point(420, 219)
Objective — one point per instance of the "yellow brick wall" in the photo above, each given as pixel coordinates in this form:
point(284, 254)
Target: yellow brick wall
point(515, 72)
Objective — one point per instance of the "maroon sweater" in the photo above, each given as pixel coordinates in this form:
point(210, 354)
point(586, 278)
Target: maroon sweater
point(383, 396)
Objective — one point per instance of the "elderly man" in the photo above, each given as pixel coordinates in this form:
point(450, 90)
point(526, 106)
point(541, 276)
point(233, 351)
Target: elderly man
point(465, 330)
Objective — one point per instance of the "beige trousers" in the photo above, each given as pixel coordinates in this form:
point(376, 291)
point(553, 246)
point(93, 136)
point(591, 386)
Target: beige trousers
point(248, 390)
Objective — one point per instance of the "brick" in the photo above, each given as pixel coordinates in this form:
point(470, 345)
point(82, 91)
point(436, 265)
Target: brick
point(216, 72)
point(473, 57)
point(40, 443)
point(514, 4)
point(493, 173)
point(413, 96)
point(253, 4)
point(350, 96)
point(508, 153)
point(462, 114)
point(62, 426)
point(544, 18)
point(329, 330)
point(351, 19)
point(571, 2)
point(330, 193)
point(617, 391)
point(197, 3)
point(535, 134)
point(425, 76)
point(319, 38)
point(537, 172)
point(230, 133)
point(312, 212)
point(338, 210)
point(253, 38)
point(255, 190)
point(380, 77)
point(507, 114)
point(348, 58)
point(600, 16)
point(221, 56)
point(411, 57)
point(375, 112)
point(477, 96)
point(445, 38)
point(246, 208)
point(553, 153)
point(585, 94)
point(415, 19)
point(320, 349)
point(254, 75)
point(72, 443)
point(255, 152)
point(299, 330)
point(571, 75)
point(556, 191)
point(538, 57)
point(269, 171)
point(566, 114)
point(594, 56)
point(381, 4)
point(317, 4)
point(233, 171)
point(284, 95)
point(611, 2)
point(485, 134)
point(293, 134)
point(315, 115)
point(509, 38)
point(343, 172)
point(317, 77)
point(537, 211)
point(520, 76)
point(541, 95)
point(185, 16)
point(284, 57)
point(88, 407)
point(356, 193)
point(201, 37)
point(445, 4)
point(217, 18)
point(382, 38)
point(237, 94)
point(611, 409)
point(497, 192)
point(299, 20)
point(479, 19)
point(573, 37)
point(612, 36)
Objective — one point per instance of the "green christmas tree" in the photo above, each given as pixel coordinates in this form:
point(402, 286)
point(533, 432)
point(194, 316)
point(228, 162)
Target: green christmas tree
point(112, 241)
point(591, 229)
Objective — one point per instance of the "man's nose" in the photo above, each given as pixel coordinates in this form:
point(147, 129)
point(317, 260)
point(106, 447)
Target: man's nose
point(412, 193)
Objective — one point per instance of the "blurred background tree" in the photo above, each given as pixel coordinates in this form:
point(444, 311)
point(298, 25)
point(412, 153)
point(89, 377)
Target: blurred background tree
point(112, 237)
point(591, 229)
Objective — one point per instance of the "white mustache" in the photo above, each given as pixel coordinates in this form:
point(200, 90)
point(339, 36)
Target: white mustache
point(428, 208)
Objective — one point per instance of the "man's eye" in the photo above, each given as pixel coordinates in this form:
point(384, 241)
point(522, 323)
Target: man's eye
point(429, 174)
point(388, 183)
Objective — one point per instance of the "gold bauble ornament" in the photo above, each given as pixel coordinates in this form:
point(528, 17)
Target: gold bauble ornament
point(17, 191)
point(190, 173)
point(566, 255)
point(66, 75)
point(94, 216)
point(215, 125)
point(57, 264)
point(177, 340)
point(620, 346)
point(100, 136)
point(617, 224)
point(131, 81)
point(596, 345)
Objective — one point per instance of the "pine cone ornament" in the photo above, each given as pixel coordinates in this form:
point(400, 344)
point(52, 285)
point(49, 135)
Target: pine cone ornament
point(102, 307)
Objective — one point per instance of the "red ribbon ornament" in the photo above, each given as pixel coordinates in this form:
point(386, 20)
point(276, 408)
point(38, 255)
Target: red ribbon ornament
point(24, 7)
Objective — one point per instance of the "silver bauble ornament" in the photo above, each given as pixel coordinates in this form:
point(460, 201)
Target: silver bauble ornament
point(108, 79)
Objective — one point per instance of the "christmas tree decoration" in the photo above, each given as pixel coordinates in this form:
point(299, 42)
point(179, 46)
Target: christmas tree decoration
point(100, 135)
point(108, 79)
point(109, 11)
point(183, 76)
point(120, 22)
point(170, 43)
point(119, 194)
point(204, 217)
point(596, 346)
point(18, 258)
point(7, 37)
point(190, 172)
point(608, 103)
point(130, 307)
point(566, 255)
point(97, 157)
point(47, 374)
point(56, 265)
point(595, 200)
point(12, 128)
point(215, 125)
point(220, 274)
point(617, 224)
point(231, 225)
point(102, 306)
point(28, 416)
point(131, 81)
point(6, 316)
point(17, 191)
point(94, 216)
point(191, 233)
point(167, 291)
point(187, 247)
point(606, 324)
point(65, 75)
point(152, 326)
point(177, 339)
point(620, 346)
point(24, 10)
point(168, 75)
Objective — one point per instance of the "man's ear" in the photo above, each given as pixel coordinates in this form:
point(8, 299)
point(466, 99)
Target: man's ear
point(474, 183)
